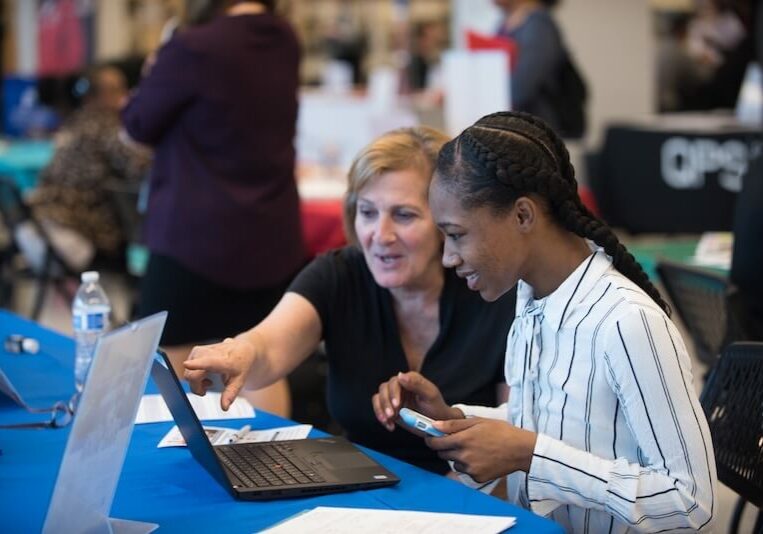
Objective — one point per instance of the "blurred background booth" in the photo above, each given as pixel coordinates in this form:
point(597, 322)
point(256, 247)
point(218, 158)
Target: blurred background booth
point(675, 174)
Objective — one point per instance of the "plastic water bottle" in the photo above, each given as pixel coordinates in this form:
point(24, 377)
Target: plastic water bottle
point(90, 313)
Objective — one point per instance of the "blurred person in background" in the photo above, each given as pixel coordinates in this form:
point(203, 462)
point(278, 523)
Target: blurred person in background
point(346, 39)
point(544, 80)
point(72, 194)
point(721, 36)
point(715, 30)
point(219, 105)
point(540, 50)
point(427, 42)
point(678, 73)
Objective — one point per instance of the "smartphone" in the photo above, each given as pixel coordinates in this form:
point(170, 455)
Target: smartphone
point(415, 420)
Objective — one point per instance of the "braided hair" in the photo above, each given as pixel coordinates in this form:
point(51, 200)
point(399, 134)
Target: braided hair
point(506, 155)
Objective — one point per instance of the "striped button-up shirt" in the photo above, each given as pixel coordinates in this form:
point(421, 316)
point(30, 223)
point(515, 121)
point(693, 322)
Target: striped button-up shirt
point(601, 374)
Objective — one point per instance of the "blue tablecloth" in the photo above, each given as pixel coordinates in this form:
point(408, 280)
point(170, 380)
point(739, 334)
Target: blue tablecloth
point(167, 486)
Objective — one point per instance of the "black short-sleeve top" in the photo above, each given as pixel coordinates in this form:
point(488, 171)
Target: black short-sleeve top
point(364, 349)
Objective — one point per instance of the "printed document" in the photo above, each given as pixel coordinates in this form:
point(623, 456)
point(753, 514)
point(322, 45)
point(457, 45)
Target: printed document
point(225, 436)
point(153, 409)
point(346, 520)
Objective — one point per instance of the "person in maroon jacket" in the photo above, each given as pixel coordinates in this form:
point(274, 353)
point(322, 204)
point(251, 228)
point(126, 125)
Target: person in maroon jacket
point(219, 105)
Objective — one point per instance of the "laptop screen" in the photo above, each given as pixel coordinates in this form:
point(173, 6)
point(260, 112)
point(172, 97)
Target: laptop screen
point(97, 444)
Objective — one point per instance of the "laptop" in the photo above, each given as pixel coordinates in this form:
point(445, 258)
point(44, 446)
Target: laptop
point(273, 470)
point(97, 444)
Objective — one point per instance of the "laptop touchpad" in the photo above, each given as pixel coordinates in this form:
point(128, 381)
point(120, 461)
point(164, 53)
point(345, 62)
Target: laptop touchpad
point(347, 460)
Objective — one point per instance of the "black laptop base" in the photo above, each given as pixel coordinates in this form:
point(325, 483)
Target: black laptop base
point(274, 470)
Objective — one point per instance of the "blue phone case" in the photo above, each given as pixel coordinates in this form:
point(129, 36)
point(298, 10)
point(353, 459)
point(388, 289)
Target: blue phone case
point(420, 422)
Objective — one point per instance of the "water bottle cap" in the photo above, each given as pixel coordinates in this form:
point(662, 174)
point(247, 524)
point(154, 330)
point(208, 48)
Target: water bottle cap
point(30, 345)
point(89, 276)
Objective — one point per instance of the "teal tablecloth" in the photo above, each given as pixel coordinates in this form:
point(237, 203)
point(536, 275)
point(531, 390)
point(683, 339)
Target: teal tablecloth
point(676, 249)
point(23, 160)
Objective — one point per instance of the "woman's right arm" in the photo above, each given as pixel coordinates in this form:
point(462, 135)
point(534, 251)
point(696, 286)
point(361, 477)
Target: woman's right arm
point(260, 356)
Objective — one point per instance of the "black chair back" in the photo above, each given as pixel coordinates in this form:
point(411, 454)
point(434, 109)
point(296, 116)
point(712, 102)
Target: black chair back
point(733, 403)
point(52, 269)
point(125, 198)
point(699, 298)
point(12, 208)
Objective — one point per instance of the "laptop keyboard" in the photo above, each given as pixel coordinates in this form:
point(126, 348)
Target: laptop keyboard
point(260, 465)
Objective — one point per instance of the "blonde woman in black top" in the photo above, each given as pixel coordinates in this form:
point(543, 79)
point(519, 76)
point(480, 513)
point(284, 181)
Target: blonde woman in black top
point(382, 305)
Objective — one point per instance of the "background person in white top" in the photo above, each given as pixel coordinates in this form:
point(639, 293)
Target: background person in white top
point(603, 431)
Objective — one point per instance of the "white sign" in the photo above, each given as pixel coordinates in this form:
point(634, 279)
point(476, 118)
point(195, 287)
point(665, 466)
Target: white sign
point(476, 84)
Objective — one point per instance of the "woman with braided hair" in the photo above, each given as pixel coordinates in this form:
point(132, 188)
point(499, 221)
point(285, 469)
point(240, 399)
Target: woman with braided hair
point(603, 431)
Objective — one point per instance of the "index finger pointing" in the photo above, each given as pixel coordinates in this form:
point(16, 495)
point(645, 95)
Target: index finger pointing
point(195, 379)
point(208, 363)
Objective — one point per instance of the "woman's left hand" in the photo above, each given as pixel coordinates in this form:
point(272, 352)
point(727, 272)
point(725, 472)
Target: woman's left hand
point(484, 448)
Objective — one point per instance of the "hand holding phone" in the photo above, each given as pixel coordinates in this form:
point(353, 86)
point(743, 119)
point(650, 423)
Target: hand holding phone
point(417, 421)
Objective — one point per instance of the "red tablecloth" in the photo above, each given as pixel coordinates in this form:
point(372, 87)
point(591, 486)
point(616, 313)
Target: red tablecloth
point(322, 225)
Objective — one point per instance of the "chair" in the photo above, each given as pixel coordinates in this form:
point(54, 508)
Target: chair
point(307, 386)
point(53, 270)
point(125, 197)
point(733, 403)
point(699, 297)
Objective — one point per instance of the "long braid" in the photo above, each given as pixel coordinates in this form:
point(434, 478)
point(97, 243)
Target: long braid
point(594, 228)
point(525, 155)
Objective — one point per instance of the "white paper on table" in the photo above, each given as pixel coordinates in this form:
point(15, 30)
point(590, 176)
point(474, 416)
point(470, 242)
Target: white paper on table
point(153, 409)
point(224, 436)
point(346, 520)
point(714, 249)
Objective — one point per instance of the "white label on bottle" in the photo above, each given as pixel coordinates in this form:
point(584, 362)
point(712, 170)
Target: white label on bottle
point(90, 321)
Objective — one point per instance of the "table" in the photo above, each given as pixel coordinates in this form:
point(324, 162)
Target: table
point(322, 225)
point(649, 252)
point(167, 486)
point(676, 176)
point(23, 160)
